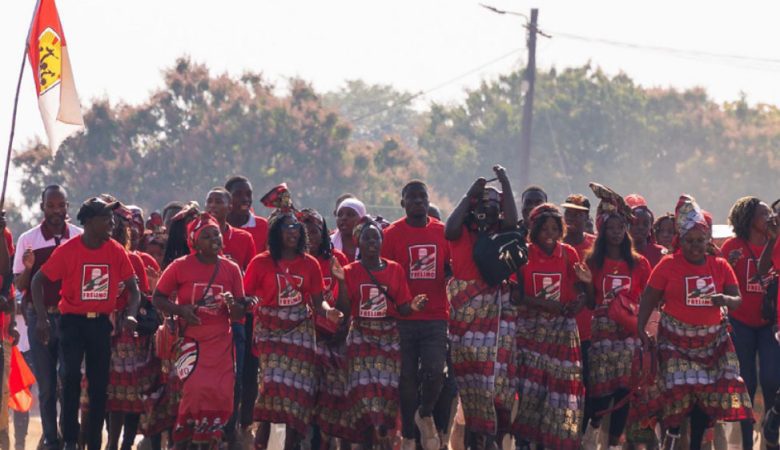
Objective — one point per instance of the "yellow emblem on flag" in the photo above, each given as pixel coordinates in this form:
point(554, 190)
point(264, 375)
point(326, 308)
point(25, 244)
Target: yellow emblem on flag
point(49, 60)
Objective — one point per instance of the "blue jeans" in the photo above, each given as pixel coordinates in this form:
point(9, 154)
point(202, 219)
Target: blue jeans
point(750, 343)
point(47, 366)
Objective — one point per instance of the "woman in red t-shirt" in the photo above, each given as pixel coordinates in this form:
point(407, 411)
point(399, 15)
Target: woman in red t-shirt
point(550, 292)
point(663, 230)
point(374, 292)
point(753, 335)
point(641, 230)
point(133, 368)
point(288, 283)
point(331, 408)
point(619, 275)
point(209, 293)
point(699, 369)
point(482, 316)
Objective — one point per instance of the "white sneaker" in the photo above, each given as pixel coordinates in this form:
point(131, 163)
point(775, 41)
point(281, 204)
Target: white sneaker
point(428, 434)
point(590, 440)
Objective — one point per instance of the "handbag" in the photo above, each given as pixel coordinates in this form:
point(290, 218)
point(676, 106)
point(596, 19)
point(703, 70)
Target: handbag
point(769, 301)
point(148, 318)
point(171, 331)
point(624, 312)
point(499, 255)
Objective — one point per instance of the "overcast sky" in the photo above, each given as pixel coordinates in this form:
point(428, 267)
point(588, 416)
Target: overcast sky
point(118, 48)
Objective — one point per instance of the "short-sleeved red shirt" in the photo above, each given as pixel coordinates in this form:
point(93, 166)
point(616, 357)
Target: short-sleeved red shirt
point(551, 274)
point(746, 270)
point(268, 279)
point(189, 277)
point(331, 292)
point(776, 265)
point(653, 252)
point(143, 281)
point(238, 245)
point(148, 259)
point(367, 300)
point(462, 254)
point(616, 277)
point(683, 283)
point(585, 317)
point(422, 253)
point(90, 277)
point(258, 227)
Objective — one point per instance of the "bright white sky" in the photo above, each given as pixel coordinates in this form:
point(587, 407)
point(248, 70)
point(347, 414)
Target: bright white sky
point(118, 48)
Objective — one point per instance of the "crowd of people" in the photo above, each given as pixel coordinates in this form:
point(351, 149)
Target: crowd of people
point(200, 327)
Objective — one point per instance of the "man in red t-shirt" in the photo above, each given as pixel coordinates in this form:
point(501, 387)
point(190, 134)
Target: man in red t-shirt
point(91, 269)
point(417, 243)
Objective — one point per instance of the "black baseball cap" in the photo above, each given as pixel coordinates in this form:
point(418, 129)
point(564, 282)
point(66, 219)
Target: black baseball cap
point(94, 207)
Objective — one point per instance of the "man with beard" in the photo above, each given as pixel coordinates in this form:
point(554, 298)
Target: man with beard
point(35, 246)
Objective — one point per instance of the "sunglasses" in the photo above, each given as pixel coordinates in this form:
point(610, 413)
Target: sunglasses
point(292, 226)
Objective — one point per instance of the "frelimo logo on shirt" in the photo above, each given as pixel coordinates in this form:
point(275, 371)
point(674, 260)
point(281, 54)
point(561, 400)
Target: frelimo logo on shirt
point(547, 285)
point(211, 301)
point(289, 295)
point(373, 304)
point(753, 280)
point(698, 289)
point(612, 285)
point(422, 262)
point(94, 282)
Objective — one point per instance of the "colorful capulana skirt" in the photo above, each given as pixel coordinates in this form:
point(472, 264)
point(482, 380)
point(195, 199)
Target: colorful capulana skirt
point(205, 368)
point(698, 366)
point(161, 404)
point(331, 409)
point(611, 355)
point(285, 344)
point(549, 369)
point(373, 373)
point(133, 371)
point(482, 333)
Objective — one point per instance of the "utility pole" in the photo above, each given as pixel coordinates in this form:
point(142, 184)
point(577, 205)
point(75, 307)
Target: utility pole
point(528, 105)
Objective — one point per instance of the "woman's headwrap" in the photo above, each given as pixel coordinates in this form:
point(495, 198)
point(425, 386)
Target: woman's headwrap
point(611, 204)
point(689, 216)
point(196, 227)
point(362, 225)
point(309, 215)
point(543, 211)
point(353, 204)
point(280, 199)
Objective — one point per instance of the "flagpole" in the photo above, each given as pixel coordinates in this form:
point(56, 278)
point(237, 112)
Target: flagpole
point(13, 129)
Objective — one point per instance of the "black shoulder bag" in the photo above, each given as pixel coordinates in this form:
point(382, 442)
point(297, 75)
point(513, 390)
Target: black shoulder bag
point(499, 255)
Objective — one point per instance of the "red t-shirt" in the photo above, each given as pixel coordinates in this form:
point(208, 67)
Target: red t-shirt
point(654, 253)
point(776, 265)
point(143, 282)
point(682, 284)
point(462, 254)
point(368, 301)
point(422, 253)
point(90, 277)
point(585, 317)
point(331, 292)
point(746, 270)
point(188, 278)
point(552, 274)
point(238, 245)
point(148, 259)
point(266, 279)
point(258, 227)
point(618, 278)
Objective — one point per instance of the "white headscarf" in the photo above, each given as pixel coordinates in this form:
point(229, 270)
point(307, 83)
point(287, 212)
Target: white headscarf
point(355, 205)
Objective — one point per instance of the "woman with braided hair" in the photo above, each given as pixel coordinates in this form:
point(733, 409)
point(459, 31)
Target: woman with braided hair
point(374, 292)
point(551, 290)
point(698, 367)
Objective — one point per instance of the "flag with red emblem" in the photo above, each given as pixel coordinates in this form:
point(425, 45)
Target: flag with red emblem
point(48, 55)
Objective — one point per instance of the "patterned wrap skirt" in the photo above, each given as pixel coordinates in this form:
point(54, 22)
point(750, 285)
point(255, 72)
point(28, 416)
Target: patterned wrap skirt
point(284, 342)
point(549, 367)
point(133, 371)
point(698, 366)
point(161, 404)
point(331, 409)
point(611, 355)
point(482, 333)
point(373, 373)
point(205, 369)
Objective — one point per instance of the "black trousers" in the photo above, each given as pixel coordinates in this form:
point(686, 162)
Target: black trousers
point(423, 368)
point(88, 340)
